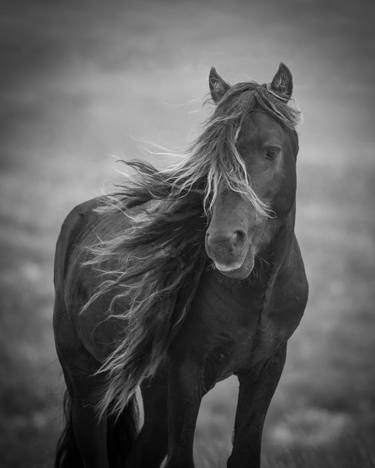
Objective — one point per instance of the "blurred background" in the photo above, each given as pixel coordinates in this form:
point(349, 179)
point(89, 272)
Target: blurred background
point(83, 81)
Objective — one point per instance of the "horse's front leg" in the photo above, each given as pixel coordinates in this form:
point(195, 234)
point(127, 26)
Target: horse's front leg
point(256, 390)
point(150, 447)
point(90, 434)
point(184, 396)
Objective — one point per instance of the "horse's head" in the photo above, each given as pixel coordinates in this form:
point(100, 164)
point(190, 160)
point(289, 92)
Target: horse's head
point(245, 219)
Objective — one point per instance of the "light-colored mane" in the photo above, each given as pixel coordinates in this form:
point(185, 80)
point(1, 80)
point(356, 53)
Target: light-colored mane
point(152, 270)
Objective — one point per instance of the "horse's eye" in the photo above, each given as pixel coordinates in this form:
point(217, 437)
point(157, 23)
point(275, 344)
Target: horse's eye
point(272, 152)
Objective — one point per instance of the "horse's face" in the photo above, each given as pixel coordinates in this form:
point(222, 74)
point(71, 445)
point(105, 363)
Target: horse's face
point(237, 232)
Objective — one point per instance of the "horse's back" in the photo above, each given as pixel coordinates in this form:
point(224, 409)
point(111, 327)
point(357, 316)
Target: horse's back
point(72, 230)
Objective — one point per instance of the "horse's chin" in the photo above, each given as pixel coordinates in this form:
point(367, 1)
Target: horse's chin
point(238, 270)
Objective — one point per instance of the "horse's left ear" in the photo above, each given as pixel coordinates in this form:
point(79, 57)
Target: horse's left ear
point(282, 83)
point(218, 86)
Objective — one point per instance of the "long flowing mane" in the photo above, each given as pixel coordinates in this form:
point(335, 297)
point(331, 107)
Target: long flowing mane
point(153, 269)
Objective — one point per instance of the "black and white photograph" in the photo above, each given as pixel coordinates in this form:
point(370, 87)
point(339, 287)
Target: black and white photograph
point(187, 235)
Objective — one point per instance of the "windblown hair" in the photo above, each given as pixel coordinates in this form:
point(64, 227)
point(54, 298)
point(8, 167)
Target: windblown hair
point(160, 258)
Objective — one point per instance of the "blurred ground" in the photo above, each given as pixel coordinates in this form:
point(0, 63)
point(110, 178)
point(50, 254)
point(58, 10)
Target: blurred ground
point(81, 81)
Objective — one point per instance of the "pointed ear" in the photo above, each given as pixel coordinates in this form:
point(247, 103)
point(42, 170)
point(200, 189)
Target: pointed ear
point(218, 86)
point(282, 83)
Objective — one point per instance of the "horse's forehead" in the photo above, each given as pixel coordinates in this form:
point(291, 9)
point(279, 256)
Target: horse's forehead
point(260, 126)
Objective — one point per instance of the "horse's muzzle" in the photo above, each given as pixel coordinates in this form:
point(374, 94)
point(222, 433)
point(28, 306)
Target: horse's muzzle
point(228, 250)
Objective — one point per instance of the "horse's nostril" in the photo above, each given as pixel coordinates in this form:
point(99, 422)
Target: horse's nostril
point(238, 238)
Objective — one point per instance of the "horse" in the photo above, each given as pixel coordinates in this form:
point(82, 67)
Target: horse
point(180, 278)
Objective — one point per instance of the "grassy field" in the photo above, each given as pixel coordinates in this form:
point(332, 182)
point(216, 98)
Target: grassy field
point(72, 100)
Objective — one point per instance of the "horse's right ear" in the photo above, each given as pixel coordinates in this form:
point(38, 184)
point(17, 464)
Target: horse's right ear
point(218, 86)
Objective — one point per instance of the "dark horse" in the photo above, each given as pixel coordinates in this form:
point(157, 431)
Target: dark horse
point(181, 278)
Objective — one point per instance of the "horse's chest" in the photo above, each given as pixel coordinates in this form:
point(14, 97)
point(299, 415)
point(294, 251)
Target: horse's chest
point(221, 328)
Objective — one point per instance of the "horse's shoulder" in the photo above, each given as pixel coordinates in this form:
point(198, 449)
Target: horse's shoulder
point(294, 270)
point(285, 305)
point(290, 291)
